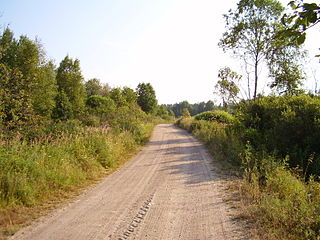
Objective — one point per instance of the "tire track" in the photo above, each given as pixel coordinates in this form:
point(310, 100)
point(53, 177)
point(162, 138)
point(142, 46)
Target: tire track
point(137, 219)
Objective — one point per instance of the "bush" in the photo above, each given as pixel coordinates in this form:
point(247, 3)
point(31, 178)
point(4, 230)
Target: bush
point(265, 132)
point(288, 125)
point(216, 116)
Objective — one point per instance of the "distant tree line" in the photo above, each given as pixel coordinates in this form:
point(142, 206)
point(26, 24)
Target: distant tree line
point(194, 109)
point(35, 93)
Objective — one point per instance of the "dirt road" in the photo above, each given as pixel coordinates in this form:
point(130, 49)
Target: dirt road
point(168, 191)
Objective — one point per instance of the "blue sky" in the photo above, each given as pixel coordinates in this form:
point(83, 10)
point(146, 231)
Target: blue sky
point(170, 43)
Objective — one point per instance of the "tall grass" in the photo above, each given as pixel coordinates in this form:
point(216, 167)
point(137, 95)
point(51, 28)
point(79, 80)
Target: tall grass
point(30, 173)
point(33, 174)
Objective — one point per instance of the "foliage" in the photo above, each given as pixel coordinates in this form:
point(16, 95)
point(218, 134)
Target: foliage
point(304, 16)
point(283, 61)
point(33, 173)
point(117, 97)
point(285, 207)
point(63, 108)
point(70, 81)
point(287, 125)
point(278, 201)
point(146, 97)
point(95, 87)
point(19, 60)
point(287, 75)
point(185, 113)
point(284, 127)
point(194, 109)
point(252, 34)
point(92, 87)
point(216, 116)
point(163, 112)
point(226, 86)
point(58, 132)
point(44, 91)
point(104, 107)
point(129, 95)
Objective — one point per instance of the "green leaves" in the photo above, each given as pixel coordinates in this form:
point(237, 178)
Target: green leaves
point(310, 7)
point(226, 86)
point(146, 97)
point(301, 38)
point(251, 28)
point(304, 16)
point(69, 81)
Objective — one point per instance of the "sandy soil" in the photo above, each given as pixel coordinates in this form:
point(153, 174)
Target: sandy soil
point(170, 190)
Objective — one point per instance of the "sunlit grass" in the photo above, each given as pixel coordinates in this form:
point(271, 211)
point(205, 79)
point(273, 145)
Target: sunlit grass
point(33, 174)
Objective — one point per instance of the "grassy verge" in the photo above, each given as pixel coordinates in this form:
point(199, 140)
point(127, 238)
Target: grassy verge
point(276, 199)
point(36, 177)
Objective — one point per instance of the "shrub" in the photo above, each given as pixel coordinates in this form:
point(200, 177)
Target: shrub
point(217, 116)
point(265, 132)
point(287, 125)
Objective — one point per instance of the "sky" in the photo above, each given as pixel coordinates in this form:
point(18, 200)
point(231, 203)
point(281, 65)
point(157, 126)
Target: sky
point(170, 43)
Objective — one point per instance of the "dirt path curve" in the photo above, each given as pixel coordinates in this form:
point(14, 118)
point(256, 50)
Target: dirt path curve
point(168, 191)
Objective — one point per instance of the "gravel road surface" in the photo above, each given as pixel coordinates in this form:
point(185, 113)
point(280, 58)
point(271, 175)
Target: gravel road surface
point(170, 190)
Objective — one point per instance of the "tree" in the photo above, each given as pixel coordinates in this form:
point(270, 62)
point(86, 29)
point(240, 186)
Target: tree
point(117, 97)
point(63, 109)
point(185, 113)
point(16, 109)
point(197, 108)
point(93, 87)
point(129, 95)
point(162, 112)
point(178, 108)
point(250, 30)
point(19, 60)
point(287, 75)
point(193, 109)
point(146, 97)
point(70, 81)
point(104, 107)
point(226, 87)
point(209, 106)
point(44, 91)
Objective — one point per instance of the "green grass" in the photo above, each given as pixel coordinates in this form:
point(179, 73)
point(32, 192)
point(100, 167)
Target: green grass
point(32, 174)
point(285, 208)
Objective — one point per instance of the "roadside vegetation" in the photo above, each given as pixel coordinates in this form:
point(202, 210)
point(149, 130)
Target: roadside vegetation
point(280, 187)
point(58, 132)
point(272, 141)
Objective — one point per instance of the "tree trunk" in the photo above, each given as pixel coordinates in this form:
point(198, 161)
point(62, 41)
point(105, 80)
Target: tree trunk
point(255, 79)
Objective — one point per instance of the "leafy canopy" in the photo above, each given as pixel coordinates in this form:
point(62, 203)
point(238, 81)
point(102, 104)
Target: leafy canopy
point(304, 16)
point(226, 86)
point(252, 35)
point(146, 97)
